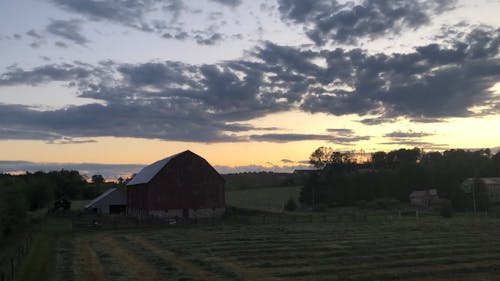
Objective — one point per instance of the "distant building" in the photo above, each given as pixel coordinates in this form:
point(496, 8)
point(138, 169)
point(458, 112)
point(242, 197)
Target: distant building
point(492, 186)
point(112, 201)
point(424, 198)
point(182, 185)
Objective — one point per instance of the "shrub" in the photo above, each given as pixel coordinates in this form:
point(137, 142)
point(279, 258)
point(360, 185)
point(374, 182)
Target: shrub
point(446, 209)
point(320, 208)
point(290, 205)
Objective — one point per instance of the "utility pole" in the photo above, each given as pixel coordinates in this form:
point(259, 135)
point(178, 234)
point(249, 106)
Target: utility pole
point(474, 195)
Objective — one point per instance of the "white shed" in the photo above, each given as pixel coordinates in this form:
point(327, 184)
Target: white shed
point(112, 201)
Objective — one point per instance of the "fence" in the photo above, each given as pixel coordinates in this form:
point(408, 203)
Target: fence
point(12, 259)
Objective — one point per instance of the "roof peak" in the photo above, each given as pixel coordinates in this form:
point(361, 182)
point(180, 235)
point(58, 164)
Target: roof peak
point(147, 173)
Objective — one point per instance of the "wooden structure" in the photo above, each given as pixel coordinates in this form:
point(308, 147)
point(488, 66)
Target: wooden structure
point(112, 201)
point(182, 185)
point(492, 186)
point(424, 198)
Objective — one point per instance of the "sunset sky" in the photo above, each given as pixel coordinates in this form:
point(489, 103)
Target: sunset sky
point(106, 86)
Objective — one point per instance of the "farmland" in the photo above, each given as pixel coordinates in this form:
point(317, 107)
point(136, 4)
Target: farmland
point(405, 249)
point(270, 199)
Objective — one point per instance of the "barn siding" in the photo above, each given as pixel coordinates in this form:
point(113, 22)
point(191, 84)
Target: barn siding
point(186, 182)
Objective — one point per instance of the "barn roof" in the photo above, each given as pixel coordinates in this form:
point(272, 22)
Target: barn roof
point(147, 173)
point(98, 198)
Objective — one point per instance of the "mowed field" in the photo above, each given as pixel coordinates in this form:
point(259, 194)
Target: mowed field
point(406, 249)
point(269, 199)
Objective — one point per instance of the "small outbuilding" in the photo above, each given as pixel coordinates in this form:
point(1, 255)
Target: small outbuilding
point(424, 198)
point(112, 201)
point(492, 186)
point(182, 185)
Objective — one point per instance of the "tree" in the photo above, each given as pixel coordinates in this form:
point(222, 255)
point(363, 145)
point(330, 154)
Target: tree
point(321, 157)
point(13, 208)
point(97, 179)
point(290, 205)
point(379, 159)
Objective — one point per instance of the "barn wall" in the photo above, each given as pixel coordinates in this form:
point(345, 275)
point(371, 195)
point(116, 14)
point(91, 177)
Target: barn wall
point(117, 197)
point(186, 182)
point(137, 197)
point(192, 213)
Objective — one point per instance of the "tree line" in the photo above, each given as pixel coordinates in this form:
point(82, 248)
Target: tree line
point(340, 180)
point(20, 194)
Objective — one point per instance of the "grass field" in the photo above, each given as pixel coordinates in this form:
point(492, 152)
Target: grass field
point(433, 249)
point(271, 199)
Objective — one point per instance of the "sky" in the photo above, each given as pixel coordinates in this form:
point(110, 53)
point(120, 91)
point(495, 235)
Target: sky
point(107, 86)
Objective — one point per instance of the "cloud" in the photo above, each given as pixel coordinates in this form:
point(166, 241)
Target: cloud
point(287, 161)
point(109, 171)
point(68, 29)
point(34, 34)
point(129, 13)
point(415, 143)
point(283, 137)
point(409, 134)
point(289, 137)
point(212, 102)
point(230, 3)
point(326, 21)
point(211, 40)
point(141, 15)
point(44, 74)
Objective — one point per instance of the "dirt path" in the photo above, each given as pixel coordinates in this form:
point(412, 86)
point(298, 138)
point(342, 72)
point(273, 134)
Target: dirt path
point(89, 267)
point(170, 257)
point(144, 272)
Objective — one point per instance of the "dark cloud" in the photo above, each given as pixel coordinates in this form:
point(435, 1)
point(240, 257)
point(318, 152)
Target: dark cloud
point(287, 161)
point(34, 34)
point(129, 13)
point(283, 137)
point(139, 15)
point(328, 20)
point(341, 131)
point(70, 30)
point(211, 40)
point(212, 102)
point(409, 134)
point(414, 143)
point(230, 3)
point(60, 44)
point(289, 137)
point(44, 74)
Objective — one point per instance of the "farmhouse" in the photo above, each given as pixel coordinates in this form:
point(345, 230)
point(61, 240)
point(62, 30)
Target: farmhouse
point(423, 198)
point(112, 201)
point(492, 186)
point(182, 185)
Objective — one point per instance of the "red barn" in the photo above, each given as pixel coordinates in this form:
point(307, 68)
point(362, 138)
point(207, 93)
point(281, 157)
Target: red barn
point(182, 185)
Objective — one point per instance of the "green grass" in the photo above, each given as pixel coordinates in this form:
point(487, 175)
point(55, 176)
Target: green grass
point(433, 249)
point(269, 199)
point(78, 204)
point(40, 262)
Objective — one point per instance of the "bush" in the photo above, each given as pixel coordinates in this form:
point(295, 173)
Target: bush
point(290, 205)
point(446, 209)
point(382, 203)
point(320, 208)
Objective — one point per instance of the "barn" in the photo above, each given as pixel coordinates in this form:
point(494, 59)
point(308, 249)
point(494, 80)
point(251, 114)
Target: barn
point(112, 201)
point(182, 185)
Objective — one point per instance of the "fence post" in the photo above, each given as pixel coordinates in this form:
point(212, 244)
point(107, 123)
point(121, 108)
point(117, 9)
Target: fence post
point(12, 267)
